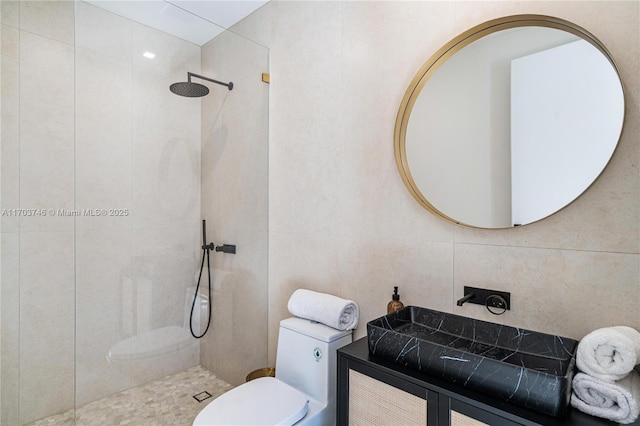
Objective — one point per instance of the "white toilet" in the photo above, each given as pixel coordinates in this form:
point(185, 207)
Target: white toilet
point(303, 391)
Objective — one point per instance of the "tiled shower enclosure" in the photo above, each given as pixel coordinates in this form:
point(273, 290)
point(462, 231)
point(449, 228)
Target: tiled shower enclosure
point(102, 189)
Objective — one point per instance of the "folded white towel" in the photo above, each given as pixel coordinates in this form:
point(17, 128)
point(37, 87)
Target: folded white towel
point(609, 353)
point(617, 401)
point(341, 314)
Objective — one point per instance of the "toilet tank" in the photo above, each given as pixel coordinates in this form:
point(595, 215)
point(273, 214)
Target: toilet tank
point(307, 359)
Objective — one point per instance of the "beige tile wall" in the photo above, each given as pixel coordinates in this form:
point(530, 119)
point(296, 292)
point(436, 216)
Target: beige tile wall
point(235, 203)
point(37, 171)
point(340, 218)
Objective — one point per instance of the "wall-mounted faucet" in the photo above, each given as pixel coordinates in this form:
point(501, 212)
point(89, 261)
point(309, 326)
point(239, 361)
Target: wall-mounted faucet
point(496, 302)
point(466, 298)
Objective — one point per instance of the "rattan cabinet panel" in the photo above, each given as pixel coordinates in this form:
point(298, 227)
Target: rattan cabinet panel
point(372, 403)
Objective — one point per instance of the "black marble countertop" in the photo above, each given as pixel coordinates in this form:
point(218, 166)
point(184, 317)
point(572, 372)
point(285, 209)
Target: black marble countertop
point(359, 351)
point(519, 366)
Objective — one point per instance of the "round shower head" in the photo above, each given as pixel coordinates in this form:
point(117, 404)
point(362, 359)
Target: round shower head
point(189, 89)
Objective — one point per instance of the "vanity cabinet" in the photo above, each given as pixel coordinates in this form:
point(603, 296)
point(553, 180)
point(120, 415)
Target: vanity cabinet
point(373, 401)
point(374, 392)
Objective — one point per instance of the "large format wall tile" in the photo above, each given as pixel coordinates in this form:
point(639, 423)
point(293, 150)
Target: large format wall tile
point(103, 32)
point(103, 312)
point(361, 270)
point(235, 203)
point(10, 141)
point(10, 13)
point(46, 131)
point(166, 133)
point(563, 292)
point(47, 305)
point(10, 327)
point(103, 140)
point(51, 19)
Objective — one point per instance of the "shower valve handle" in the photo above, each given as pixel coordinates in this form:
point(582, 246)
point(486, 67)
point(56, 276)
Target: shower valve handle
point(209, 246)
point(227, 248)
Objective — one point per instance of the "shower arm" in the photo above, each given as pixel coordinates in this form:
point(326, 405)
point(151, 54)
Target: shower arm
point(190, 74)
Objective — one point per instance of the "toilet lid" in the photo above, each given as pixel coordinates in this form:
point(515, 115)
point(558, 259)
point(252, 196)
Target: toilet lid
point(263, 401)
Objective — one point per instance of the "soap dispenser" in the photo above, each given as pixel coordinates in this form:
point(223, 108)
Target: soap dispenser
point(395, 303)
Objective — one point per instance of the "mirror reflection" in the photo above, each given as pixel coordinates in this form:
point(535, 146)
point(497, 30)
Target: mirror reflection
point(508, 124)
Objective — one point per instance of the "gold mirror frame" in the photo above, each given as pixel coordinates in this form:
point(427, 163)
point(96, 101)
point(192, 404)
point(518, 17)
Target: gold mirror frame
point(450, 49)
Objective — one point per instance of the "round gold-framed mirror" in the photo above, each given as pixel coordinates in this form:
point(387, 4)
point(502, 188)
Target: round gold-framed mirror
point(509, 122)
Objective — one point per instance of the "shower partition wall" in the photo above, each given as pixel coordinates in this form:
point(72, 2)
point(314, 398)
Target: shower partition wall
point(101, 212)
point(235, 190)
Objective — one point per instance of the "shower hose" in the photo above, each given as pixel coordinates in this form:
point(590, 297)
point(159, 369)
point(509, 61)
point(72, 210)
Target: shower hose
point(205, 253)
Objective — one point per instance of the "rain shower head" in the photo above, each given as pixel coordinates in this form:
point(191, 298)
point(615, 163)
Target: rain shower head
point(195, 90)
point(189, 89)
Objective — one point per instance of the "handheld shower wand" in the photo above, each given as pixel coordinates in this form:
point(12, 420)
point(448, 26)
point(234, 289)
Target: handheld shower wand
point(206, 248)
point(205, 253)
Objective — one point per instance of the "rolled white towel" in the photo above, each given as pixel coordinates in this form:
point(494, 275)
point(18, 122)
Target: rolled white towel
point(617, 401)
point(609, 353)
point(341, 314)
point(632, 334)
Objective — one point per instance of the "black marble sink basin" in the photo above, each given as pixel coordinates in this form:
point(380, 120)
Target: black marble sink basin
point(523, 367)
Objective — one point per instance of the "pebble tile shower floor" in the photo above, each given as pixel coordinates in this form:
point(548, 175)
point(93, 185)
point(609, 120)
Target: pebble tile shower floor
point(165, 402)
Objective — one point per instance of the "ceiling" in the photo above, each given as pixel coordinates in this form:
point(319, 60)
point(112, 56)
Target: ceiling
point(197, 21)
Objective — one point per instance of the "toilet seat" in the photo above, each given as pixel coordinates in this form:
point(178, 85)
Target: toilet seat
point(263, 401)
